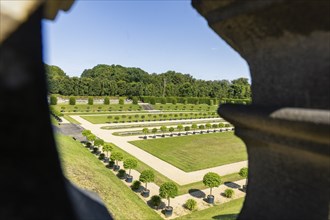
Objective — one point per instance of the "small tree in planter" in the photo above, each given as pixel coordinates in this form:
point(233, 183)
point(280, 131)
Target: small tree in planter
point(194, 127)
point(179, 127)
point(121, 174)
point(98, 142)
point(155, 201)
point(244, 173)
point(229, 193)
point(201, 127)
point(106, 149)
point(154, 131)
point(171, 129)
point(145, 131)
point(136, 185)
point(146, 177)
point(187, 129)
point(91, 138)
point(215, 126)
point(116, 156)
point(102, 156)
point(85, 133)
point(211, 180)
point(163, 129)
point(221, 125)
point(167, 191)
point(130, 164)
point(208, 126)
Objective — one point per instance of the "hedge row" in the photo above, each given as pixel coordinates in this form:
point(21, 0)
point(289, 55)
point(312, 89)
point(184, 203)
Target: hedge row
point(184, 100)
point(236, 101)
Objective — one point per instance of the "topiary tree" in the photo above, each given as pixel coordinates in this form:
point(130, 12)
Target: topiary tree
point(147, 176)
point(106, 101)
point(221, 125)
point(167, 191)
point(154, 131)
point(208, 126)
point(91, 138)
point(53, 100)
point(152, 100)
point(98, 142)
point(117, 156)
point(180, 127)
point(85, 133)
point(174, 100)
point(244, 173)
point(145, 131)
point(72, 100)
point(187, 128)
point(171, 129)
point(211, 180)
point(229, 193)
point(107, 148)
point(194, 126)
point(130, 164)
point(191, 204)
point(163, 129)
point(121, 101)
point(155, 201)
point(90, 101)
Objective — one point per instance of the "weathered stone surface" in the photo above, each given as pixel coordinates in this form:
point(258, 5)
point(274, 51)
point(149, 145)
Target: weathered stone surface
point(287, 127)
point(32, 184)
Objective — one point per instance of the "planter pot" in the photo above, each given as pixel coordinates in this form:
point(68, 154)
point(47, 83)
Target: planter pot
point(98, 153)
point(168, 211)
point(210, 199)
point(244, 188)
point(116, 167)
point(145, 193)
point(214, 131)
point(145, 137)
point(208, 132)
point(111, 165)
point(179, 134)
point(171, 135)
point(163, 135)
point(106, 160)
point(129, 178)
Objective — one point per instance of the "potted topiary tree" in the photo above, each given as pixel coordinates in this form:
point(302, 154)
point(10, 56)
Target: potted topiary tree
point(116, 156)
point(244, 173)
point(221, 125)
point(91, 138)
point(208, 126)
point(154, 131)
point(194, 127)
point(201, 127)
point(98, 142)
point(171, 129)
point(146, 177)
point(167, 191)
point(187, 129)
point(163, 129)
point(121, 174)
point(215, 126)
point(130, 164)
point(155, 201)
point(211, 180)
point(107, 148)
point(145, 131)
point(179, 127)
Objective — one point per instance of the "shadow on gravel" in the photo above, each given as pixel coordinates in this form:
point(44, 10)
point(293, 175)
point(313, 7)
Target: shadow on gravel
point(197, 193)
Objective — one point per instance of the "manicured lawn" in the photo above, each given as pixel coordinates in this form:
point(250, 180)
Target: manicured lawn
point(226, 211)
point(86, 171)
point(196, 152)
point(187, 107)
point(73, 121)
point(66, 108)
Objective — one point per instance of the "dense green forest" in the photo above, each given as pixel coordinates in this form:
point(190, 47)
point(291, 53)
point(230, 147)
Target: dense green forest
point(116, 80)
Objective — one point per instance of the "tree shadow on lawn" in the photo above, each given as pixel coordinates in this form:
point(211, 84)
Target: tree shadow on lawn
point(197, 193)
point(225, 217)
point(232, 185)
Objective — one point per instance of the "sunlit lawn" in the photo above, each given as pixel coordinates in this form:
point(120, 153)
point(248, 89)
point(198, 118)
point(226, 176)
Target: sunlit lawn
point(196, 152)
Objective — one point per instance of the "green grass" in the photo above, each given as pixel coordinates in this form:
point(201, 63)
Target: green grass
point(101, 119)
point(86, 171)
point(73, 121)
point(196, 152)
point(160, 178)
point(226, 211)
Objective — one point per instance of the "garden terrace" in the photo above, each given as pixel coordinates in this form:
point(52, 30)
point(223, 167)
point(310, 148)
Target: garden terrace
point(185, 107)
point(102, 119)
point(96, 108)
point(191, 153)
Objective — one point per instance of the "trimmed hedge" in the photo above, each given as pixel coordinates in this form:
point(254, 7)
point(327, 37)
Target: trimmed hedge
point(90, 101)
point(106, 101)
point(121, 101)
point(72, 100)
point(53, 100)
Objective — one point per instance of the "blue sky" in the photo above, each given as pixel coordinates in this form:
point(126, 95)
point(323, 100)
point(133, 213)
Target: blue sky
point(154, 35)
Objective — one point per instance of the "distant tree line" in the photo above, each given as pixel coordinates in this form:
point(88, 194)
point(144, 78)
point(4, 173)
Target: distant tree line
point(116, 80)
